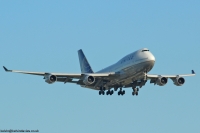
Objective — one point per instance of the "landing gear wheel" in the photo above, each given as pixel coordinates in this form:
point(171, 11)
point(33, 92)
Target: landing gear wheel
point(111, 92)
point(136, 93)
point(108, 92)
point(119, 93)
point(133, 93)
point(103, 92)
point(99, 92)
point(137, 89)
point(123, 92)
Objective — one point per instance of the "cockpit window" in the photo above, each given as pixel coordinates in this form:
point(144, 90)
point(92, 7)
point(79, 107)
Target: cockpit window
point(144, 50)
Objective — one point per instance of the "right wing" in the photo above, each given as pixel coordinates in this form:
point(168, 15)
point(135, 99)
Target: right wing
point(65, 77)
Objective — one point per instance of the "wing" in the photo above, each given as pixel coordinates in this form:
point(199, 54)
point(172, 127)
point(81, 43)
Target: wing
point(65, 77)
point(149, 76)
point(155, 77)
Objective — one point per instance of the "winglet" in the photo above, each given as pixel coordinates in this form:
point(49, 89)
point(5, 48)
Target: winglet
point(193, 72)
point(6, 69)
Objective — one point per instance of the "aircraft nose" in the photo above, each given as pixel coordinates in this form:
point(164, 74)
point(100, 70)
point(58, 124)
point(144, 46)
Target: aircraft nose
point(151, 57)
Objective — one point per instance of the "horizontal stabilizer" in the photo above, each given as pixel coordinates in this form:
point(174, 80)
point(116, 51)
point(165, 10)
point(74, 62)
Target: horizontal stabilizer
point(193, 72)
point(6, 69)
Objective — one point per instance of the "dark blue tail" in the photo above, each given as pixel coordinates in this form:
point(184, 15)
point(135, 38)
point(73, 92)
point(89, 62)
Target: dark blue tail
point(84, 64)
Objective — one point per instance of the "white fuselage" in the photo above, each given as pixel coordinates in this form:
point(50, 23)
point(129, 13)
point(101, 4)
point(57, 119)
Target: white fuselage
point(130, 68)
point(135, 58)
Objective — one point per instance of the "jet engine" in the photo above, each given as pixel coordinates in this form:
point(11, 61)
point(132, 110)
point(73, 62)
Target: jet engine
point(161, 81)
point(50, 79)
point(88, 80)
point(179, 81)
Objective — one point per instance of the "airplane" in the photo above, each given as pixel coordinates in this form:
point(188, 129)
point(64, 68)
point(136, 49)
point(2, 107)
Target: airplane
point(129, 72)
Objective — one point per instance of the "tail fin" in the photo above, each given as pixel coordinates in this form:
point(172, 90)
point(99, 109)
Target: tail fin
point(85, 66)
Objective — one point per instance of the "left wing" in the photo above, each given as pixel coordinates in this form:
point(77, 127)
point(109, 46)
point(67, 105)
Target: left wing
point(162, 79)
point(170, 76)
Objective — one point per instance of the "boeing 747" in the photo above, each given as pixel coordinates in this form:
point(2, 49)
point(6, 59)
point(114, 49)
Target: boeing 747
point(129, 72)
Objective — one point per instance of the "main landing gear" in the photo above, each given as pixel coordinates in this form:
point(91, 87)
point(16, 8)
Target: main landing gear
point(109, 92)
point(121, 92)
point(135, 91)
point(102, 91)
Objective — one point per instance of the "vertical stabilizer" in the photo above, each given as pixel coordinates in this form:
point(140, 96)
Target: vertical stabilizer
point(84, 64)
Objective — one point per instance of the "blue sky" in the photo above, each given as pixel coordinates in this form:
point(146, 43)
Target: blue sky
point(46, 35)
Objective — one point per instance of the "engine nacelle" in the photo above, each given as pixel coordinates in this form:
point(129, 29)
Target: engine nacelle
point(161, 81)
point(88, 80)
point(179, 81)
point(50, 79)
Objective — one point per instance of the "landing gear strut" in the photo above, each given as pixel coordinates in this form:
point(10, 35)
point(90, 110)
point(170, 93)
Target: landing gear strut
point(121, 92)
point(115, 88)
point(102, 91)
point(135, 91)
